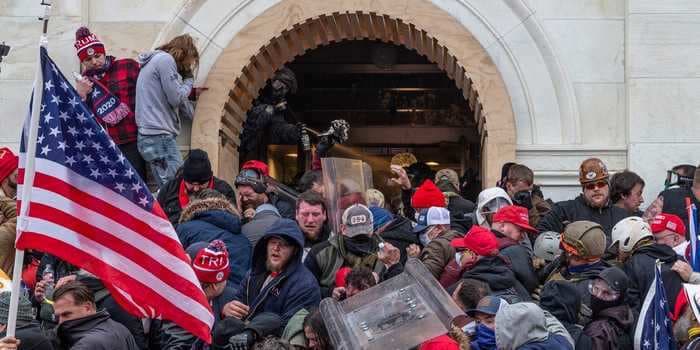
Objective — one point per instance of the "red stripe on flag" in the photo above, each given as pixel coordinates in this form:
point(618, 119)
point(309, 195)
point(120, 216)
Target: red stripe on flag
point(127, 219)
point(108, 240)
point(140, 292)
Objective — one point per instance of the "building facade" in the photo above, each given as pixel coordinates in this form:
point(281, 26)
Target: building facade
point(548, 82)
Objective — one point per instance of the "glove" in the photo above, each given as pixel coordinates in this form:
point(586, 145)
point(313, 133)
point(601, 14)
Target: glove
point(242, 341)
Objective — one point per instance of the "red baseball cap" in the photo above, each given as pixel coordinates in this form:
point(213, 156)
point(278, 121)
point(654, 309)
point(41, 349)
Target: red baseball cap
point(479, 240)
point(258, 166)
point(516, 215)
point(669, 222)
point(8, 163)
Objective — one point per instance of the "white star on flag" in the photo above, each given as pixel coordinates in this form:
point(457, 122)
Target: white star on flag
point(63, 116)
point(88, 159)
point(70, 160)
point(81, 117)
point(136, 187)
point(80, 145)
point(45, 150)
point(55, 99)
point(64, 86)
point(54, 132)
point(48, 117)
point(119, 187)
point(48, 85)
point(61, 145)
point(73, 102)
point(95, 172)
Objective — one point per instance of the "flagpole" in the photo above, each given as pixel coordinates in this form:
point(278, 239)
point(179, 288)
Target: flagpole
point(29, 170)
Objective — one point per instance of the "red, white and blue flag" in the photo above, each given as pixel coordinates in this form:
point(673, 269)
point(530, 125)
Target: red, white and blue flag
point(654, 330)
point(89, 207)
point(693, 234)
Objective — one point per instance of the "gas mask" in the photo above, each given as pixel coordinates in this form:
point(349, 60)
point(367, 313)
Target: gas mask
point(523, 199)
point(674, 179)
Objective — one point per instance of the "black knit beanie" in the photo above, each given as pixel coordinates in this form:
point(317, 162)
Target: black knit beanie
point(197, 167)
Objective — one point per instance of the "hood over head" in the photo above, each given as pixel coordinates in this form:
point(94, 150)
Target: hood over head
point(485, 197)
point(286, 229)
point(518, 324)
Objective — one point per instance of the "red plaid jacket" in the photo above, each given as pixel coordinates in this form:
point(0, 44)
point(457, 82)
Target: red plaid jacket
point(120, 79)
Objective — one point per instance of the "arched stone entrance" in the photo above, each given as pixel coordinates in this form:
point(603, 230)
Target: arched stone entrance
point(294, 27)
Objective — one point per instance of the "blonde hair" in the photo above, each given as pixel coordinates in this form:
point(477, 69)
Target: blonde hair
point(375, 198)
point(181, 48)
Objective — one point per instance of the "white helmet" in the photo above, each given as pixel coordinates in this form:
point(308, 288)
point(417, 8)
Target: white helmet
point(547, 245)
point(629, 231)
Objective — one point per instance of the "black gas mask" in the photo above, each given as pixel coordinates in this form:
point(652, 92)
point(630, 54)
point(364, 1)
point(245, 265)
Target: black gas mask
point(675, 179)
point(523, 199)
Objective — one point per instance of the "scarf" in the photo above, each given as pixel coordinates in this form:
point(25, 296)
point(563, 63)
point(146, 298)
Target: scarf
point(484, 339)
point(184, 197)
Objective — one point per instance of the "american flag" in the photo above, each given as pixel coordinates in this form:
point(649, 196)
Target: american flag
point(88, 206)
point(654, 328)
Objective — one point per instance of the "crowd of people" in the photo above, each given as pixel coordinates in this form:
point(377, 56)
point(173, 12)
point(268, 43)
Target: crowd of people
point(526, 272)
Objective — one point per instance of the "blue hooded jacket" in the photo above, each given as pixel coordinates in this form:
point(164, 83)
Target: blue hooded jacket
point(293, 289)
point(214, 218)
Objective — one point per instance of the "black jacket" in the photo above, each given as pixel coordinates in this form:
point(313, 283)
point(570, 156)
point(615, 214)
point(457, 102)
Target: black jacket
point(104, 300)
point(611, 329)
point(31, 336)
point(169, 197)
point(577, 210)
point(520, 260)
point(400, 234)
point(562, 300)
point(95, 332)
point(579, 277)
point(459, 209)
point(674, 203)
point(497, 272)
point(640, 269)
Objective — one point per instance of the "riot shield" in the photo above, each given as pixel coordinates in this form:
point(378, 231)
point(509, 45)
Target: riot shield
point(345, 183)
point(399, 313)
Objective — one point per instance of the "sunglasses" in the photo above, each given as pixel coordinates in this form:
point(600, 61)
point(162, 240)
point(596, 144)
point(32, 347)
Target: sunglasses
point(595, 185)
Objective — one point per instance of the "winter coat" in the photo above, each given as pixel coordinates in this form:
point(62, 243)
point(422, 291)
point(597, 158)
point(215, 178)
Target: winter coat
point(438, 253)
point(459, 209)
point(294, 289)
point(524, 326)
point(400, 234)
point(173, 337)
point(215, 218)
point(611, 329)
point(674, 203)
point(265, 216)
point(325, 259)
point(579, 277)
point(577, 210)
point(640, 269)
point(521, 261)
point(104, 300)
point(31, 336)
point(162, 95)
point(95, 332)
point(8, 232)
point(169, 197)
point(497, 272)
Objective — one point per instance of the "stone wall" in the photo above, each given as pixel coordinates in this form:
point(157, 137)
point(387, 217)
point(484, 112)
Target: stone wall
point(610, 78)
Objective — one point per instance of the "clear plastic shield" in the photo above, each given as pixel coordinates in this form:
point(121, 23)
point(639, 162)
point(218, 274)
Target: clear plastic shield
point(345, 183)
point(399, 313)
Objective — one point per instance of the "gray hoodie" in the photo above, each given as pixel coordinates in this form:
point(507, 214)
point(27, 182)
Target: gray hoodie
point(160, 93)
point(522, 323)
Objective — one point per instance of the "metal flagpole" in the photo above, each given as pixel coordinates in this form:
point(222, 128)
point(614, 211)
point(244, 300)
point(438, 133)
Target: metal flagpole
point(30, 155)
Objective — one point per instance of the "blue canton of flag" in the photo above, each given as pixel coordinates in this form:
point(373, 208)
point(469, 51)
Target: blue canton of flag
point(70, 136)
point(654, 329)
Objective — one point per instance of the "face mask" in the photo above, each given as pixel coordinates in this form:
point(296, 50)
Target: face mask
point(598, 305)
point(424, 239)
point(485, 338)
point(458, 256)
point(523, 199)
point(360, 244)
point(470, 328)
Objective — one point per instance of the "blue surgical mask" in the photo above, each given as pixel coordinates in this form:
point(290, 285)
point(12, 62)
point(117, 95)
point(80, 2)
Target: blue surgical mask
point(484, 339)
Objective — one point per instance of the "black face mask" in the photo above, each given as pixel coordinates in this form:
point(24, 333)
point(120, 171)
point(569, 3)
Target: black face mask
point(598, 305)
point(523, 199)
point(361, 245)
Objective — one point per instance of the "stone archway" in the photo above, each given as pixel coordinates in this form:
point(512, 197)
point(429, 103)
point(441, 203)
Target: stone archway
point(242, 69)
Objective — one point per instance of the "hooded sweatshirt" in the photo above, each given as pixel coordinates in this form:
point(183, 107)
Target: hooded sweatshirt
point(640, 269)
point(160, 93)
point(293, 289)
point(525, 326)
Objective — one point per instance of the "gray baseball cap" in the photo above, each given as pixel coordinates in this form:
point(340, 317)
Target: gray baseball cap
point(359, 220)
